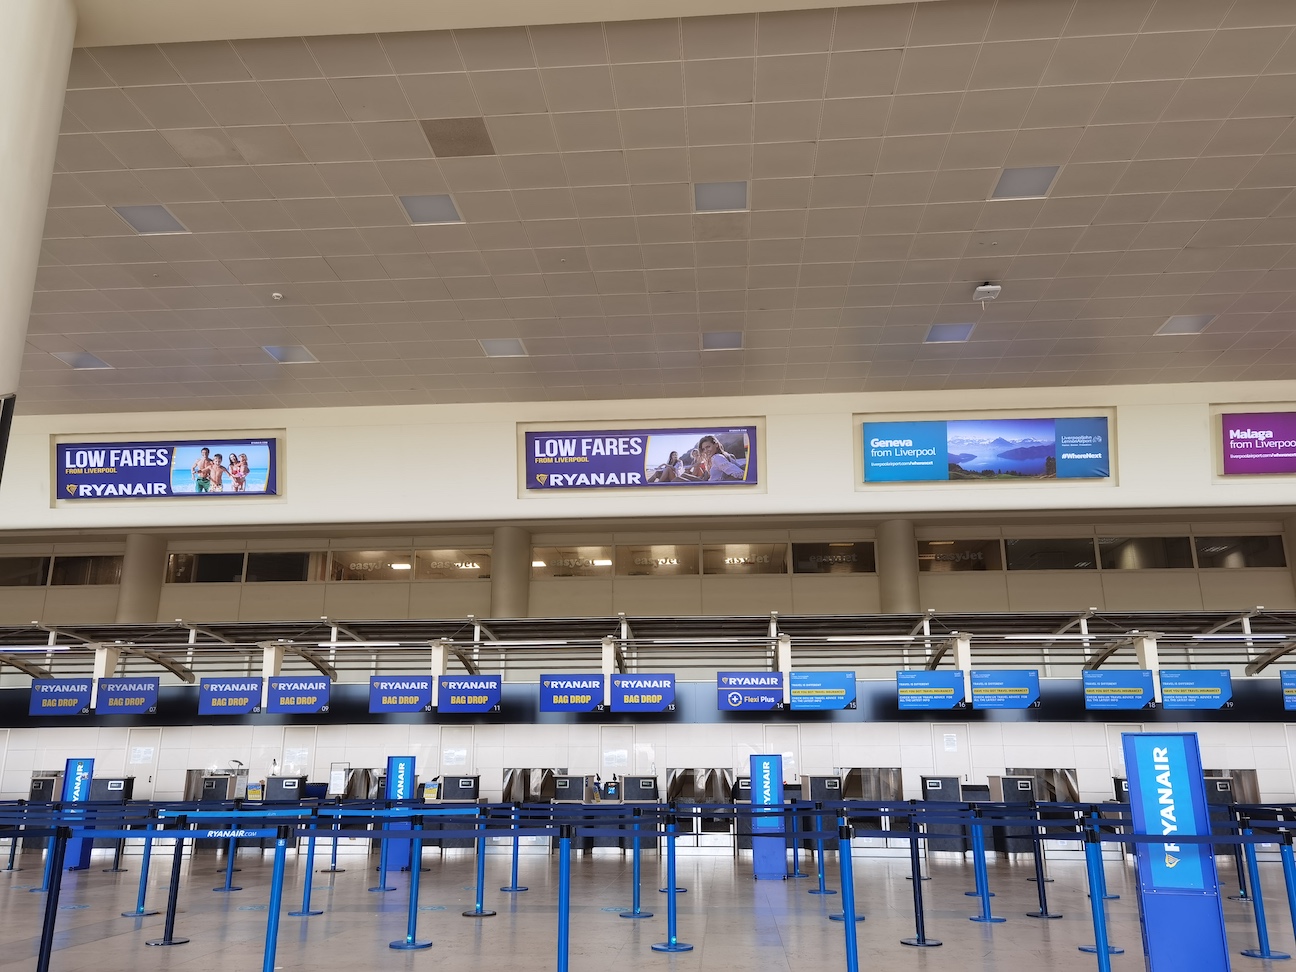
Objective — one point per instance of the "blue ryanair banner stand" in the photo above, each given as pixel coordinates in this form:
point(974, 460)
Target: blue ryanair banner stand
point(769, 848)
point(1183, 917)
point(400, 786)
point(77, 774)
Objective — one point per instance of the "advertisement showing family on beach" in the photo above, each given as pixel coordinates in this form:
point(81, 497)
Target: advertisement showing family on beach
point(204, 467)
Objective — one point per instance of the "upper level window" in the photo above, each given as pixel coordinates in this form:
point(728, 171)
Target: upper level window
point(280, 567)
point(1070, 553)
point(943, 556)
point(657, 559)
point(1240, 552)
point(744, 558)
point(24, 571)
point(1144, 553)
point(454, 563)
point(371, 565)
point(205, 568)
point(581, 561)
point(833, 558)
point(86, 570)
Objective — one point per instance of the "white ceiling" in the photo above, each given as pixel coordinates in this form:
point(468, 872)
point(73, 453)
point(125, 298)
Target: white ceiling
point(872, 137)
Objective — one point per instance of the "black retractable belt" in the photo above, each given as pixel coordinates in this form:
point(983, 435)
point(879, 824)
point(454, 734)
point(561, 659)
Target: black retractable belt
point(920, 939)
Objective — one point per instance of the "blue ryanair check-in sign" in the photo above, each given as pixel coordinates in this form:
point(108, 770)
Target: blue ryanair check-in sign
point(401, 784)
point(749, 691)
point(400, 693)
point(59, 697)
point(229, 696)
point(1288, 677)
point(571, 693)
point(643, 693)
point(469, 693)
point(304, 694)
point(1116, 689)
point(126, 696)
point(77, 776)
point(769, 848)
point(1196, 688)
point(995, 689)
point(930, 690)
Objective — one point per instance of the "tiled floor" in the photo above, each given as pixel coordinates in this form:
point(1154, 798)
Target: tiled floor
point(734, 922)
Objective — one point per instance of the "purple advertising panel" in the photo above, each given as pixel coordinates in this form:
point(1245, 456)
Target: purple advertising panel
point(1259, 442)
point(642, 458)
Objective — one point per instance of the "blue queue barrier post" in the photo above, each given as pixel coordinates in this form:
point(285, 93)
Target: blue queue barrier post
point(479, 907)
point(139, 911)
point(564, 895)
point(677, 890)
point(308, 881)
point(13, 852)
point(276, 898)
point(1037, 850)
point(979, 868)
point(173, 893)
point(1102, 871)
point(1239, 859)
point(920, 939)
point(1262, 951)
point(337, 827)
point(795, 872)
point(1093, 871)
point(229, 867)
point(1034, 805)
point(49, 863)
point(847, 867)
point(411, 941)
point(382, 884)
point(1289, 874)
point(819, 852)
point(636, 909)
point(976, 892)
point(57, 852)
point(513, 886)
point(672, 943)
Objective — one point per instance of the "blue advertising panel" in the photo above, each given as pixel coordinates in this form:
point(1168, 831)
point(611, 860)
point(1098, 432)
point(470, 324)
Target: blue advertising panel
point(1105, 689)
point(1289, 688)
point(749, 691)
point(769, 853)
point(1183, 920)
point(126, 696)
point(199, 467)
point(77, 774)
point(299, 693)
point(229, 696)
point(1197, 688)
point(642, 458)
point(643, 693)
point(987, 450)
point(821, 691)
point(400, 693)
point(571, 693)
point(59, 697)
point(1013, 689)
point(469, 693)
point(402, 784)
point(930, 690)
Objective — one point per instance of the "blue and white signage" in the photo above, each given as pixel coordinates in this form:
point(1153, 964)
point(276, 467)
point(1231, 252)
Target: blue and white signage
point(126, 696)
point(400, 693)
point(930, 690)
point(229, 696)
point(822, 691)
point(749, 691)
point(571, 693)
point(469, 693)
point(643, 693)
point(641, 458)
point(769, 856)
point(402, 784)
point(77, 775)
point(1113, 689)
point(1289, 688)
point(202, 467)
point(299, 693)
point(1005, 689)
point(59, 697)
point(1196, 688)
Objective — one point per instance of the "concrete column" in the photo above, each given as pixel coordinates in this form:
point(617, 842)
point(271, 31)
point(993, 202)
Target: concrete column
point(897, 567)
point(510, 572)
point(35, 50)
point(1289, 545)
point(143, 569)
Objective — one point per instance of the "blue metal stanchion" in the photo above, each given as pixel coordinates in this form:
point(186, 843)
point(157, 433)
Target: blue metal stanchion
point(979, 868)
point(411, 941)
point(1037, 838)
point(677, 889)
point(920, 939)
point(844, 834)
point(1239, 860)
point(13, 852)
point(229, 868)
point(382, 884)
point(819, 852)
point(795, 872)
point(49, 863)
point(276, 899)
point(672, 943)
point(1263, 951)
point(307, 882)
point(333, 868)
point(846, 871)
point(1093, 870)
point(636, 910)
point(1289, 873)
point(479, 908)
point(173, 893)
point(977, 892)
point(513, 885)
point(1102, 868)
point(564, 894)
point(57, 851)
point(139, 911)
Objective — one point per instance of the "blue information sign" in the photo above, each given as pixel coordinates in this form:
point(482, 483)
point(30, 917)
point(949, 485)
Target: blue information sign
point(400, 693)
point(571, 693)
point(1196, 688)
point(126, 696)
point(469, 693)
point(299, 693)
point(930, 690)
point(59, 697)
point(643, 693)
point(821, 691)
point(402, 784)
point(229, 696)
point(1012, 689)
point(769, 851)
point(1106, 689)
point(77, 774)
point(1289, 688)
point(1183, 920)
point(749, 691)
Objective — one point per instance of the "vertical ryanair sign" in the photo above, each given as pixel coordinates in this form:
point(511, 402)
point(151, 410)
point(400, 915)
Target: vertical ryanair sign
point(1178, 885)
point(769, 855)
point(77, 775)
point(401, 785)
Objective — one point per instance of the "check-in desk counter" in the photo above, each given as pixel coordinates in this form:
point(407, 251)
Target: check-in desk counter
point(458, 793)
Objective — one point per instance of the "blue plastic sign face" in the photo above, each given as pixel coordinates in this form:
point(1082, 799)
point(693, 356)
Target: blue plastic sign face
point(1289, 688)
point(768, 856)
point(571, 693)
point(299, 693)
point(77, 774)
point(641, 458)
point(1198, 688)
point(469, 693)
point(229, 696)
point(59, 697)
point(202, 467)
point(930, 690)
point(1168, 798)
point(749, 691)
point(643, 693)
point(822, 691)
point(126, 696)
point(1005, 689)
point(400, 693)
point(1104, 689)
point(400, 778)
point(987, 450)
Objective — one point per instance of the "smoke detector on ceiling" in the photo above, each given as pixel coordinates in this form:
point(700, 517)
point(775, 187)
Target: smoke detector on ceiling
point(987, 291)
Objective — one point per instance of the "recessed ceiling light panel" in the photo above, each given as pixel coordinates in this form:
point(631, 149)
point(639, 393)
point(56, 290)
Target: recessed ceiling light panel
point(719, 197)
point(503, 347)
point(423, 210)
point(1185, 324)
point(290, 354)
point(150, 220)
point(722, 341)
point(457, 138)
point(1026, 182)
point(83, 361)
point(948, 333)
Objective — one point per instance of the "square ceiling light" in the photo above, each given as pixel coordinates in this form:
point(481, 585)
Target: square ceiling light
point(503, 347)
point(83, 361)
point(291, 354)
point(1185, 324)
point(457, 138)
point(1027, 182)
point(948, 333)
point(150, 220)
point(423, 210)
point(722, 340)
point(719, 197)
